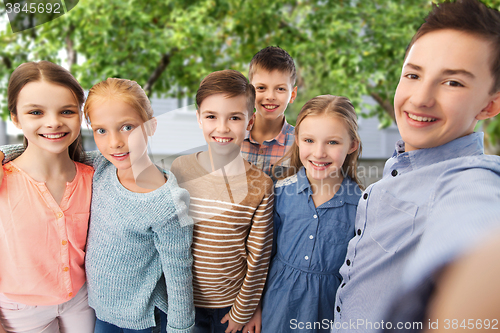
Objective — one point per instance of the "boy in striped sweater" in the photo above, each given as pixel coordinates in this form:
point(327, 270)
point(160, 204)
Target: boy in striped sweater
point(231, 205)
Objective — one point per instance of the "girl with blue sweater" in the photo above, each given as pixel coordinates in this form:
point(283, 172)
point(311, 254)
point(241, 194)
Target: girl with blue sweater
point(138, 259)
point(314, 213)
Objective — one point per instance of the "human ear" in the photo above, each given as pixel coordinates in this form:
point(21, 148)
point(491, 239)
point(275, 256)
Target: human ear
point(294, 95)
point(492, 109)
point(15, 121)
point(198, 118)
point(354, 147)
point(150, 126)
point(251, 122)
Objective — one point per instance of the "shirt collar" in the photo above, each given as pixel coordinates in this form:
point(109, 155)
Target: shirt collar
point(468, 145)
point(280, 138)
point(349, 191)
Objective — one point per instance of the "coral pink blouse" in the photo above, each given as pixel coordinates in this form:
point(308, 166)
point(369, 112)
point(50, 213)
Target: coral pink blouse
point(42, 244)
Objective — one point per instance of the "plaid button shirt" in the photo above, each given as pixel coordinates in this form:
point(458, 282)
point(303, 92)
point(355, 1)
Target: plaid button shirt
point(265, 155)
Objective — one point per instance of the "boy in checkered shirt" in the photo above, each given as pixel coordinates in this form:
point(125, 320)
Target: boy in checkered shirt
point(272, 73)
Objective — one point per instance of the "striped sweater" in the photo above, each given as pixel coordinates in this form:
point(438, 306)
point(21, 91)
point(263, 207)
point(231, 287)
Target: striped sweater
point(232, 236)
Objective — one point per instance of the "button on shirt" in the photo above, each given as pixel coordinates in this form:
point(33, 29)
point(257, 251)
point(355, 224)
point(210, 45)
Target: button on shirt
point(311, 246)
point(314, 238)
point(264, 156)
point(42, 242)
point(442, 197)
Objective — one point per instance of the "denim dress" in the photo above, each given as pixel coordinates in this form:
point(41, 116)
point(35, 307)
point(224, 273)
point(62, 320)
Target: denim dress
point(310, 244)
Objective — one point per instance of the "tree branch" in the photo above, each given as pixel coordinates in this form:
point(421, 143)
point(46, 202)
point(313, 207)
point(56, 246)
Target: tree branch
point(7, 62)
point(385, 104)
point(69, 48)
point(162, 65)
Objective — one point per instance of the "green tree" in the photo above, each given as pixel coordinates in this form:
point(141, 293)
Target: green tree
point(353, 48)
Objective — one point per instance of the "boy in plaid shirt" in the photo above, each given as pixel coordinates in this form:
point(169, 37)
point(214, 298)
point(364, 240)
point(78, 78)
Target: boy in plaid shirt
point(272, 73)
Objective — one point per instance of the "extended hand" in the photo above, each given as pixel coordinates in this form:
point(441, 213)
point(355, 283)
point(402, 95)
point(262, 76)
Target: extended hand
point(232, 326)
point(255, 323)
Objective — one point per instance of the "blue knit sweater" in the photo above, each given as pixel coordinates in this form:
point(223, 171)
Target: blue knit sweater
point(133, 239)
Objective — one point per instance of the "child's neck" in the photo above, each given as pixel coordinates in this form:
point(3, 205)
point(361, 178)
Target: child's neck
point(265, 129)
point(324, 189)
point(53, 169)
point(142, 177)
point(223, 165)
point(44, 166)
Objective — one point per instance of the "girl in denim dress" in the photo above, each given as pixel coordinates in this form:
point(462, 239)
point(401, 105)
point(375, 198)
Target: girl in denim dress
point(314, 214)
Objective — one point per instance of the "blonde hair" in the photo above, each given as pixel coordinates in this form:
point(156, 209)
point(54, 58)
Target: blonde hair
point(333, 106)
point(124, 90)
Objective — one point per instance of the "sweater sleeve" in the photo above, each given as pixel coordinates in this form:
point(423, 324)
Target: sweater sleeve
point(11, 152)
point(173, 242)
point(14, 151)
point(258, 246)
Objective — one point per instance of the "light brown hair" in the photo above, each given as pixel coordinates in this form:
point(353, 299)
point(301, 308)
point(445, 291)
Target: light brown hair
point(333, 106)
point(51, 73)
point(228, 82)
point(469, 16)
point(273, 58)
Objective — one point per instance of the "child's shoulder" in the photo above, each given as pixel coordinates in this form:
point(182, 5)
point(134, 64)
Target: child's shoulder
point(256, 173)
point(84, 168)
point(286, 181)
point(351, 191)
point(183, 165)
point(9, 169)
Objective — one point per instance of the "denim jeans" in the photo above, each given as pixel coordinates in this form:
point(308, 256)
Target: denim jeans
point(161, 325)
point(208, 320)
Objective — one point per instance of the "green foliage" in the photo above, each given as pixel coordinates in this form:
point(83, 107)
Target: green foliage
point(353, 48)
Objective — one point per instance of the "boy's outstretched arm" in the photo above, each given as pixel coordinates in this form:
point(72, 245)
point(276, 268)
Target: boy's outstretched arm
point(468, 291)
point(2, 330)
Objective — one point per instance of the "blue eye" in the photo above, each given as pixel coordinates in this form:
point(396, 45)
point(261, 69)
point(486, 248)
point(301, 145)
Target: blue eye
point(333, 142)
point(100, 131)
point(308, 140)
point(35, 112)
point(128, 128)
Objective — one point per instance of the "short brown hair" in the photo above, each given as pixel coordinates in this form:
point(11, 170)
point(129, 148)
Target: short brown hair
point(51, 73)
point(229, 82)
point(273, 58)
point(332, 106)
point(124, 90)
point(470, 16)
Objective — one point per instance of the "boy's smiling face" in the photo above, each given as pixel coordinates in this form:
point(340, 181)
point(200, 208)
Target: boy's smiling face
point(444, 89)
point(224, 121)
point(274, 91)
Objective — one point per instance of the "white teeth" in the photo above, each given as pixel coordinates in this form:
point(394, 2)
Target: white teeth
point(120, 155)
point(53, 136)
point(418, 118)
point(320, 164)
point(222, 140)
point(270, 107)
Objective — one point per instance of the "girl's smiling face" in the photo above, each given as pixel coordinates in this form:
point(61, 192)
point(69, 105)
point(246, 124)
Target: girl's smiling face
point(48, 123)
point(324, 143)
point(118, 132)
